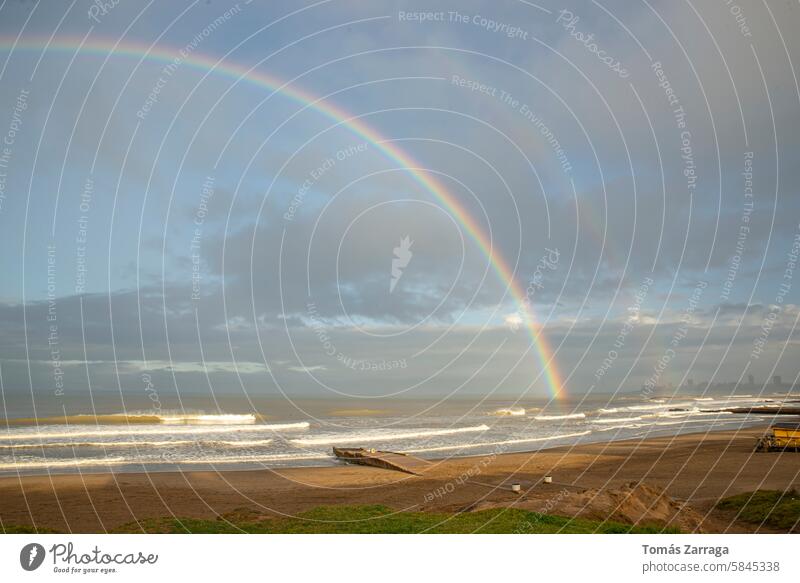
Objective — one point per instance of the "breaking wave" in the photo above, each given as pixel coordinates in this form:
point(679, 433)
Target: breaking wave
point(494, 443)
point(119, 444)
point(614, 410)
point(509, 412)
point(617, 420)
point(384, 436)
point(218, 419)
point(120, 460)
point(692, 413)
point(629, 426)
point(558, 417)
point(141, 430)
point(62, 463)
point(141, 418)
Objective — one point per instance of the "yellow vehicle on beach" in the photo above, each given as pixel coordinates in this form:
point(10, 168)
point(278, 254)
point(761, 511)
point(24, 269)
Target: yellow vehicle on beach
point(781, 437)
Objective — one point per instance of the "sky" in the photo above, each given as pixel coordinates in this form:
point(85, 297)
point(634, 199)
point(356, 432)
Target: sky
point(235, 197)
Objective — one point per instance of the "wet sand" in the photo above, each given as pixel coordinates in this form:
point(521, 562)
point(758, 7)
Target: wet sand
point(594, 481)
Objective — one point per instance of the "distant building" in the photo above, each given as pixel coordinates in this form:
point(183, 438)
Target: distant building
point(751, 379)
point(776, 380)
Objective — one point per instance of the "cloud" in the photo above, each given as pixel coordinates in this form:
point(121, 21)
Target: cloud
point(260, 301)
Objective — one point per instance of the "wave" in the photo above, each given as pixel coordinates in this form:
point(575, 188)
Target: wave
point(708, 422)
point(119, 444)
point(692, 413)
point(120, 460)
point(173, 430)
point(145, 418)
point(629, 426)
point(255, 459)
point(377, 436)
point(218, 419)
point(617, 420)
point(682, 418)
point(509, 412)
point(96, 444)
point(84, 419)
point(44, 464)
point(242, 443)
point(359, 412)
point(634, 408)
point(655, 407)
point(557, 417)
point(492, 443)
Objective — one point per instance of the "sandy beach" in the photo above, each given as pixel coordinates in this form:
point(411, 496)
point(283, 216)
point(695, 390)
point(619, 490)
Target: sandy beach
point(672, 480)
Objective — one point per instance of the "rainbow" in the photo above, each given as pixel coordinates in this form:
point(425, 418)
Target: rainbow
point(238, 72)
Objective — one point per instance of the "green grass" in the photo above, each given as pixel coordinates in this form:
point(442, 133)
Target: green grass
point(16, 529)
point(383, 520)
point(773, 508)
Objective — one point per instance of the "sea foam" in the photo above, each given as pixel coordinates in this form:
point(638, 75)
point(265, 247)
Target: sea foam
point(509, 412)
point(495, 443)
point(367, 436)
point(558, 417)
point(138, 430)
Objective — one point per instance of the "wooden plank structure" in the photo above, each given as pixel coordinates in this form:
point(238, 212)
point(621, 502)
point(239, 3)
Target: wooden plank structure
point(781, 437)
point(388, 460)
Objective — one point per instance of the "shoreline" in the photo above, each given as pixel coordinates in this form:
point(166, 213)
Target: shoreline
point(687, 472)
point(329, 461)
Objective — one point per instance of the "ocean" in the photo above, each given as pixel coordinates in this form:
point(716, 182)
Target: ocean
point(245, 433)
